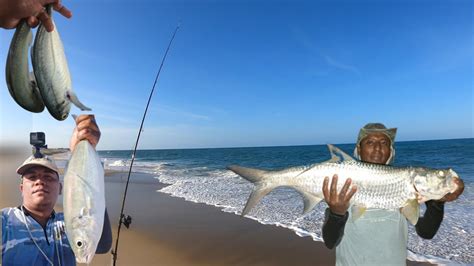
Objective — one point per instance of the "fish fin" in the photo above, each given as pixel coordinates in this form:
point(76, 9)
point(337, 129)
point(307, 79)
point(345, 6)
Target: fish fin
point(420, 198)
point(411, 211)
point(337, 155)
point(72, 97)
point(357, 211)
point(34, 87)
point(259, 192)
point(252, 175)
point(84, 211)
point(310, 201)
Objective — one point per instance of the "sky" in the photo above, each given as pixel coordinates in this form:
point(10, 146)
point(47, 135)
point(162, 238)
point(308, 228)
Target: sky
point(260, 73)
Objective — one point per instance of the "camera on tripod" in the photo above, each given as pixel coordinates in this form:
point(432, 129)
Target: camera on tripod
point(38, 140)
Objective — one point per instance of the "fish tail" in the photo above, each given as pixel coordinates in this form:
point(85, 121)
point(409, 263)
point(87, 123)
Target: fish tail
point(252, 175)
point(255, 176)
point(257, 194)
point(72, 97)
point(262, 188)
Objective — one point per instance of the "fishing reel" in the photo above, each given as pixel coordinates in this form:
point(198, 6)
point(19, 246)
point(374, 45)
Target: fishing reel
point(126, 220)
point(38, 140)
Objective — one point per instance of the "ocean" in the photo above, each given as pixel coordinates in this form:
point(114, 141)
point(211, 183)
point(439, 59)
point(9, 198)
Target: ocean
point(200, 175)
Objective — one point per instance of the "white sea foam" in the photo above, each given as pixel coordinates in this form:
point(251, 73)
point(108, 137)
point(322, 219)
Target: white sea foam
point(283, 207)
point(138, 166)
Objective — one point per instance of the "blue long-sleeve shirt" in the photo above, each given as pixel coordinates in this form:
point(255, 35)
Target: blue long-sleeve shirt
point(19, 249)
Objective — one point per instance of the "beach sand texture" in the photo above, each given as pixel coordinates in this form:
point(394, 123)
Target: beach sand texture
point(171, 231)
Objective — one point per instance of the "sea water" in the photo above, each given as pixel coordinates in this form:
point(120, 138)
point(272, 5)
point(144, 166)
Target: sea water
point(200, 175)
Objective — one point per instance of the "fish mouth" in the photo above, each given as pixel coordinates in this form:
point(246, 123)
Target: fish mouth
point(456, 185)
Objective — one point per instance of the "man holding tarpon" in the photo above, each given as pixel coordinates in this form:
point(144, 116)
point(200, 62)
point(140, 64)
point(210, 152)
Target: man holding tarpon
point(378, 237)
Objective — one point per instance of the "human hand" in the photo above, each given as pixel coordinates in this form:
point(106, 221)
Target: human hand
point(338, 203)
point(454, 195)
point(86, 128)
point(12, 11)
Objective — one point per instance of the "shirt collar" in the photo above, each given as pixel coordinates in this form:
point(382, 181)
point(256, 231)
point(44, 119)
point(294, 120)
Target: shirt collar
point(27, 213)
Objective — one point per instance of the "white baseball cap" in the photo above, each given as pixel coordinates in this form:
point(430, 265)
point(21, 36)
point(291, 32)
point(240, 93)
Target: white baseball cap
point(45, 161)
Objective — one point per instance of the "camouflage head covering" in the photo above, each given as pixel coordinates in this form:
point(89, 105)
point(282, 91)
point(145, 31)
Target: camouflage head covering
point(379, 128)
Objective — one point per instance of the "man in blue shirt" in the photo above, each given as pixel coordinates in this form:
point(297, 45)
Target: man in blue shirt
point(33, 233)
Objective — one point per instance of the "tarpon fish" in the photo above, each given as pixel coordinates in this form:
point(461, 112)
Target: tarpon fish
point(84, 201)
point(378, 186)
point(20, 82)
point(52, 73)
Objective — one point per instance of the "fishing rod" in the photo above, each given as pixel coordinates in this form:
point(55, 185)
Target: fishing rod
point(126, 220)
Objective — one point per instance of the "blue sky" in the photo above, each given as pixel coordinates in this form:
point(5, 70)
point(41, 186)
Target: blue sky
point(259, 73)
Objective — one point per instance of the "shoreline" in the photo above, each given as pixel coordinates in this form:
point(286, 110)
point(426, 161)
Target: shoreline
point(224, 238)
point(179, 232)
point(169, 230)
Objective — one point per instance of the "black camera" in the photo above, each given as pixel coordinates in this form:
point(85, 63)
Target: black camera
point(38, 140)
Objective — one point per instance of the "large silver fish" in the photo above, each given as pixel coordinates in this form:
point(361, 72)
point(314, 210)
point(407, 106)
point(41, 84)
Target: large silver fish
point(84, 201)
point(52, 73)
point(20, 81)
point(378, 186)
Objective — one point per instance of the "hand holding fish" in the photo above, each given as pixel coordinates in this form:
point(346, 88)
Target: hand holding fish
point(86, 128)
point(454, 195)
point(338, 203)
point(13, 11)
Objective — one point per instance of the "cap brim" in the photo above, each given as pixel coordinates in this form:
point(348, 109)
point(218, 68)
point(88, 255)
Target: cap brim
point(22, 169)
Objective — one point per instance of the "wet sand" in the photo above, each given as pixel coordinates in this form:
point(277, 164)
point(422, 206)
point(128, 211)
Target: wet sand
point(171, 231)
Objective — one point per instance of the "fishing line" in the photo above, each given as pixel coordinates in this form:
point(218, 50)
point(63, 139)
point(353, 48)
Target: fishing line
point(126, 220)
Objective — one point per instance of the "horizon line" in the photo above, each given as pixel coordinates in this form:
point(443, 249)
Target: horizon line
point(270, 146)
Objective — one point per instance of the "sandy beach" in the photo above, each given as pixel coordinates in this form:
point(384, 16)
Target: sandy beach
point(171, 231)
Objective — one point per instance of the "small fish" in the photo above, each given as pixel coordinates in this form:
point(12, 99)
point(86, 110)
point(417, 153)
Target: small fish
point(52, 73)
point(20, 81)
point(84, 201)
point(378, 186)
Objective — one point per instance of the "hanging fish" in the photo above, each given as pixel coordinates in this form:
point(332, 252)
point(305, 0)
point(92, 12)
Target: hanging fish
point(52, 73)
point(20, 81)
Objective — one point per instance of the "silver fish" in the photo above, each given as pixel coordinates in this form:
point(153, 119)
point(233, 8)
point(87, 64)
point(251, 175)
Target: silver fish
point(378, 186)
point(52, 73)
point(20, 82)
point(84, 201)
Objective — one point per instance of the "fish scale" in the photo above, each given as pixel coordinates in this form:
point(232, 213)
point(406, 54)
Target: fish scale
point(387, 191)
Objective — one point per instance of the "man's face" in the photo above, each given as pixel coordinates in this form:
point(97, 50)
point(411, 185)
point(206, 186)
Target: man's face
point(375, 148)
point(40, 188)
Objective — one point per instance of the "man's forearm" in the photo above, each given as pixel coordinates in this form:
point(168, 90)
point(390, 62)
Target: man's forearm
point(429, 224)
point(333, 228)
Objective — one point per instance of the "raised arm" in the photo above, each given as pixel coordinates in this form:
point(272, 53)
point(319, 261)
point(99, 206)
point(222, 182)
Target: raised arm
point(336, 215)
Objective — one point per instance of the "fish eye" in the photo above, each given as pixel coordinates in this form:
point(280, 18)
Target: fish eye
point(79, 243)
